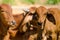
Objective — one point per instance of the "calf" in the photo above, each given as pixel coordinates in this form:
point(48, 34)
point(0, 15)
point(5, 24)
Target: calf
point(56, 14)
point(41, 11)
point(27, 18)
point(31, 17)
point(34, 26)
point(6, 21)
point(47, 19)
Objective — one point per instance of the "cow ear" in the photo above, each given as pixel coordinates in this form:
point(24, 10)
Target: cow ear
point(51, 18)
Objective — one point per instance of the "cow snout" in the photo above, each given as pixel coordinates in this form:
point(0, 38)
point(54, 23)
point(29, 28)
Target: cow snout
point(13, 23)
point(39, 23)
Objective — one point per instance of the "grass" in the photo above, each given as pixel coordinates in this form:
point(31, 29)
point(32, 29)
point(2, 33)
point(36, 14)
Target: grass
point(12, 2)
point(28, 1)
point(8, 2)
point(52, 2)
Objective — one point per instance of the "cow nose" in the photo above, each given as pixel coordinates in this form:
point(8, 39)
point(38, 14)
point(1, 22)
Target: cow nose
point(13, 22)
point(39, 23)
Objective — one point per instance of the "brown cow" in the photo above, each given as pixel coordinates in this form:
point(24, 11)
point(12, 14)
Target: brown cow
point(27, 19)
point(48, 25)
point(33, 27)
point(41, 11)
point(7, 9)
point(6, 20)
point(56, 13)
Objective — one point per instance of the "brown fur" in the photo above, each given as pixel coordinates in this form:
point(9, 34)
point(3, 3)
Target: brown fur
point(6, 19)
point(23, 27)
point(56, 13)
point(42, 12)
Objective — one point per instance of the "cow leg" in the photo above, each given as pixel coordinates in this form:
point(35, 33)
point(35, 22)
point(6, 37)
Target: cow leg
point(7, 37)
point(40, 34)
point(44, 37)
point(33, 37)
point(54, 36)
point(58, 35)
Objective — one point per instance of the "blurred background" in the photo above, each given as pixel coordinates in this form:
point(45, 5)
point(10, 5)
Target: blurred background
point(16, 4)
point(29, 2)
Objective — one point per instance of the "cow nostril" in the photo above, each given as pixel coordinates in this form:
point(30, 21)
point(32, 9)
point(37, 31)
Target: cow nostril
point(39, 23)
point(13, 22)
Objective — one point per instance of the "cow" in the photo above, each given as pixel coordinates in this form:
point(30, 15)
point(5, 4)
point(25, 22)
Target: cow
point(6, 21)
point(48, 22)
point(56, 14)
point(44, 17)
point(31, 16)
point(33, 26)
point(27, 18)
point(41, 11)
point(21, 19)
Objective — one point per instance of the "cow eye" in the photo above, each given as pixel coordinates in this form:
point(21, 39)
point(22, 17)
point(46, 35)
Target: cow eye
point(35, 17)
point(2, 11)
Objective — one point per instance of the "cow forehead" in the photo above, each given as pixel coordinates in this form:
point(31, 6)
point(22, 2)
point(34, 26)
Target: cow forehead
point(41, 10)
point(6, 7)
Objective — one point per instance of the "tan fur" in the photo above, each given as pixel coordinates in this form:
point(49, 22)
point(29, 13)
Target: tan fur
point(56, 14)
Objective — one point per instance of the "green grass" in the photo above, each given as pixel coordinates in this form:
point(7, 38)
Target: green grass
point(12, 2)
point(8, 2)
point(28, 1)
point(53, 2)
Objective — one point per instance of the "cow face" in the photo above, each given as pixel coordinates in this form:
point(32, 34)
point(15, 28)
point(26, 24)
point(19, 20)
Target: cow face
point(5, 15)
point(41, 11)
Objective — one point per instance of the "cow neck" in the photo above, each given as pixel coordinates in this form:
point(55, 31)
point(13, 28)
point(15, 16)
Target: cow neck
point(2, 24)
point(20, 24)
point(3, 28)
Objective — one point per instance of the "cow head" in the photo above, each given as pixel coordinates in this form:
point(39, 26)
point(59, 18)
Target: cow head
point(6, 15)
point(41, 11)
